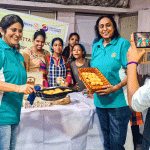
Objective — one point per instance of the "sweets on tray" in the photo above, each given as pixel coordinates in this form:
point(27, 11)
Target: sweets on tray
point(56, 91)
point(92, 78)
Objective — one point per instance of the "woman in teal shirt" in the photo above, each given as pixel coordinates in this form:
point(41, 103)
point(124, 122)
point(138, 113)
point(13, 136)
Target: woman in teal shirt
point(12, 80)
point(109, 56)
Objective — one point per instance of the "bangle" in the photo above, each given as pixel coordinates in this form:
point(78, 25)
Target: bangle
point(132, 62)
point(118, 87)
point(18, 89)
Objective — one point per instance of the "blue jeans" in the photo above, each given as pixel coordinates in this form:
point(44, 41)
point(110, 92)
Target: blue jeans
point(145, 144)
point(8, 135)
point(114, 123)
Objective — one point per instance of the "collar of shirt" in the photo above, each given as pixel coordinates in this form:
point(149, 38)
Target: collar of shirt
point(56, 59)
point(7, 47)
point(112, 42)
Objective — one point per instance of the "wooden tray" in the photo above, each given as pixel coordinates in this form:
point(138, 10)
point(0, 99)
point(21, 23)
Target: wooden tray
point(41, 104)
point(92, 88)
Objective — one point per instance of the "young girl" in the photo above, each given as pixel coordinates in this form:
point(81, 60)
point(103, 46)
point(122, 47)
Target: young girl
point(55, 70)
point(73, 38)
point(34, 55)
point(79, 54)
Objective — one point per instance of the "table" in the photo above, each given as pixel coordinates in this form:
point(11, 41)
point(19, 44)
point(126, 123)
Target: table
point(69, 127)
point(94, 135)
point(55, 128)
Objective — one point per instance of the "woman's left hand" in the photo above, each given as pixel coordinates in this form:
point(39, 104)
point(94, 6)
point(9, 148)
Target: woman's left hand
point(106, 90)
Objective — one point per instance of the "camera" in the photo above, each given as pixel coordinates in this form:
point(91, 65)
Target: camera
point(142, 41)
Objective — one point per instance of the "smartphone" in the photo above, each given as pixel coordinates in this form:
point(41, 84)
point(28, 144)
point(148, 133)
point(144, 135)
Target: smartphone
point(142, 39)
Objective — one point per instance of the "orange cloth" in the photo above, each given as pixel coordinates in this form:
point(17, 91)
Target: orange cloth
point(136, 118)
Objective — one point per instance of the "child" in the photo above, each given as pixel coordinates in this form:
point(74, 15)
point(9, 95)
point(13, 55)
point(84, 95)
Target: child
point(73, 38)
point(79, 54)
point(55, 71)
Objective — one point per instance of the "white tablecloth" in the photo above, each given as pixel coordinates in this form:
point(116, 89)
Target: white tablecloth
point(94, 135)
point(69, 127)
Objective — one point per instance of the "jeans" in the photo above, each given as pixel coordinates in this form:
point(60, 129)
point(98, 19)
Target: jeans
point(8, 135)
point(114, 123)
point(145, 144)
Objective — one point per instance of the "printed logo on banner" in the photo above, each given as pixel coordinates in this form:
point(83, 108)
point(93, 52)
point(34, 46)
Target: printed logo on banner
point(36, 26)
point(54, 30)
point(44, 27)
point(47, 28)
point(27, 24)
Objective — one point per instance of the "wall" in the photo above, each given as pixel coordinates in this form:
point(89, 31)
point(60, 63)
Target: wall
point(136, 5)
point(68, 17)
point(85, 28)
point(128, 25)
point(144, 20)
point(45, 14)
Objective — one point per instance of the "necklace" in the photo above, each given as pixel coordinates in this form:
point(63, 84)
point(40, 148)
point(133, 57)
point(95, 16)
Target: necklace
point(36, 56)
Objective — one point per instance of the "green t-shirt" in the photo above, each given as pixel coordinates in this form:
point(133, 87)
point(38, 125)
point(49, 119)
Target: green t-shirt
point(12, 70)
point(111, 61)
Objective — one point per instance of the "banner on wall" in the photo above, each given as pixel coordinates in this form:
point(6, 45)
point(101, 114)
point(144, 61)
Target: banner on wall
point(32, 23)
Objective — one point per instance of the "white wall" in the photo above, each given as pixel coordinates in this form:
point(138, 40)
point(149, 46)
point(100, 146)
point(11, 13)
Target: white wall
point(128, 25)
point(68, 17)
point(85, 28)
point(144, 20)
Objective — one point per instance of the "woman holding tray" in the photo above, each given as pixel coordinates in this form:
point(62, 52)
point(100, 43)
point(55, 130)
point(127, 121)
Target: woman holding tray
point(109, 56)
point(12, 80)
point(55, 71)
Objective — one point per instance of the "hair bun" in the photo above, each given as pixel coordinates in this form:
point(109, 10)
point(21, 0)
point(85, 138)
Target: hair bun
point(39, 32)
